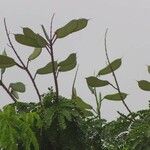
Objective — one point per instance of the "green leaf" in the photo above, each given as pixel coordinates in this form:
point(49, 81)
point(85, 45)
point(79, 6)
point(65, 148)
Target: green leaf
point(61, 121)
point(148, 67)
point(66, 114)
point(116, 97)
point(91, 89)
point(6, 62)
point(15, 94)
point(144, 85)
point(80, 103)
point(68, 64)
point(49, 115)
point(47, 69)
point(35, 54)
point(95, 82)
point(29, 38)
point(114, 65)
point(3, 69)
point(72, 26)
point(18, 86)
point(28, 32)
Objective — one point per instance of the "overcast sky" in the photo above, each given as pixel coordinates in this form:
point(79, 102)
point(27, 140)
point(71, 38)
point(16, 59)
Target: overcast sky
point(129, 37)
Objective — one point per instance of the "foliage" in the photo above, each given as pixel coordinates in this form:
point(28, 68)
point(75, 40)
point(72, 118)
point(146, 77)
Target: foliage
point(58, 123)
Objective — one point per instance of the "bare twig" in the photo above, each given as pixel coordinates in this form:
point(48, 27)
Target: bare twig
point(51, 27)
point(45, 33)
point(11, 45)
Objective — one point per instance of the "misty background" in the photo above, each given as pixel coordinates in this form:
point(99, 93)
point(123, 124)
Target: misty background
point(128, 38)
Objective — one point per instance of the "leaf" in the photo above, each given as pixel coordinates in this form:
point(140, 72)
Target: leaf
point(66, 114)
point(28, 32)
point(18, 86)
point(72, 26)
point(116, 97)
point(80, 103)
point(68, 64)
point(35, 54)
point(144, 85)
point(114, 65)
point(95, 82)
point(29, 38)
point(3, 69)
point(6, 62)
point(48, 116)
point(148, 67)
point(15, 94)
point(61, 121)
point(47, 69)
point(91, 89)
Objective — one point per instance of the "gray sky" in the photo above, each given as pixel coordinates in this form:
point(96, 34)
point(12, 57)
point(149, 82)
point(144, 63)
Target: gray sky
point(129, 37)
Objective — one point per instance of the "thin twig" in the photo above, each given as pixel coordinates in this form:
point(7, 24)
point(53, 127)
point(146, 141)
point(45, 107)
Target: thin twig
point(47, 48)
point(113, 73)
point(51, 27)
point(7, 33)
point(8, 92)
point(35, 75)
point(113, 86)
point(23, 65)
point(20, 66)
point(55, 38)
point(53, 60)
point(45, 33)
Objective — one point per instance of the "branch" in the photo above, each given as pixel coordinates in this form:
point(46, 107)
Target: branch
point(11, 45)
point(8, 92)
point(23, 65)
point(113, 73)
point(50, 50)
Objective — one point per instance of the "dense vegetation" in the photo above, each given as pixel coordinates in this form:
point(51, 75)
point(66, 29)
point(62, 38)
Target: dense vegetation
point(59, 123)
